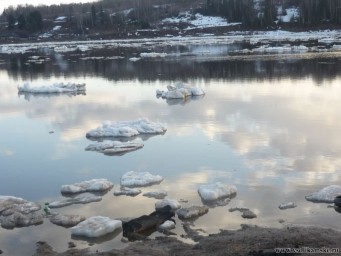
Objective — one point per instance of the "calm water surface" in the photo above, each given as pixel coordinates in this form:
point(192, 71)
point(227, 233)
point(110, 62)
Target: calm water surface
point(271, 128)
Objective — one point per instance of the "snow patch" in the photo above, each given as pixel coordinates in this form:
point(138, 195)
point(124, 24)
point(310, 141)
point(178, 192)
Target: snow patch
point(197, 20)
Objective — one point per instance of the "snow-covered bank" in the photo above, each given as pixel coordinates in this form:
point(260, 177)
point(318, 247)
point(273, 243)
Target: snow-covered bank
point(53, 88)
point(127, 128)
point(323, 37)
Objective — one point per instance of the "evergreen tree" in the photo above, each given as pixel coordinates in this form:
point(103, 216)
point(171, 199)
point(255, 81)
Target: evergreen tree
point(93, 15)
point(11, 21)
point(34, 21)
point(21, 22)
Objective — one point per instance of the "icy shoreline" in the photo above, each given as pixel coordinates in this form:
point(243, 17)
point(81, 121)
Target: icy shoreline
point(323, 37)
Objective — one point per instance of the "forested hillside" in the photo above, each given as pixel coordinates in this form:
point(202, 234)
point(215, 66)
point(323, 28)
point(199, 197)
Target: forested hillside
point(120, 17)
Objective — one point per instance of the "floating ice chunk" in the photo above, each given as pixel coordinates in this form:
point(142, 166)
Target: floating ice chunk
point(167, 225)
point(17, 212)
point(76, 200)
point(153, 55)
point(192, 212)
point(64, 48)
point(114, 147)
point(66, 220)
point(140, 179)
point(133, 59)
point(83, 48)
point(156, 194)
point(174, 204)
point(127, 128)
point(94, 185)
point(215, 191)
point(325, 195)
point(55, 28)
point(54, 88)
point(289, 205)
point(96, 226)
point(180, 91)
point(127, 192)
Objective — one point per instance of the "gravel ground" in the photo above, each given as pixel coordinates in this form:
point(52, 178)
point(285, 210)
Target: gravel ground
point(249, 240)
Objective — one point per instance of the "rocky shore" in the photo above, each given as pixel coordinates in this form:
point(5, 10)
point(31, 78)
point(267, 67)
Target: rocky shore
point(249, 240)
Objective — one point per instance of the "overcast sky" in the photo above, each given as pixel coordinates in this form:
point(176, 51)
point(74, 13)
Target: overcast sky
point(6, 3)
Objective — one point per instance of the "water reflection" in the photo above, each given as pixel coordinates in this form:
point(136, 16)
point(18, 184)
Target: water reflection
point(263, 126)
point(310, 65)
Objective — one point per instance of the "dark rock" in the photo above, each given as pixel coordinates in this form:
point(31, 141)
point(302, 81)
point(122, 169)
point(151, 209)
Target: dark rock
point(337, 201)
point(71, 245)
point(139, 228)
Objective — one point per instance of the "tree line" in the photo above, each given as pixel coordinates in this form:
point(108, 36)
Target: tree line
point(134, 14)
point(263, 13)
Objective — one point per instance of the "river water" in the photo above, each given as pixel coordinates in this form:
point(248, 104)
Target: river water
point(270, 126)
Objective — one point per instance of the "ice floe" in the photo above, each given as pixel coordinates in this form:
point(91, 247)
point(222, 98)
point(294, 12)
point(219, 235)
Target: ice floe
point(114, 147)
point(174, 204)
point(127, 192)
point(140, 179)
point(81, 199)
point(53, 88)
point(153, 55)
point(66, 220)
point(94, 185)
point(156, 194)
point(192, 212)
point(133, 59)
point(96, 226)
point(127, 128)
point(180, 91)
point(288, 205)
point(215, 191)
point(167, 225)
point(325, 195)
point(18, 212)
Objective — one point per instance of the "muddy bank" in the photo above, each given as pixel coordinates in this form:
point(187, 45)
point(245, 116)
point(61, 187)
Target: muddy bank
point(249, 240)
